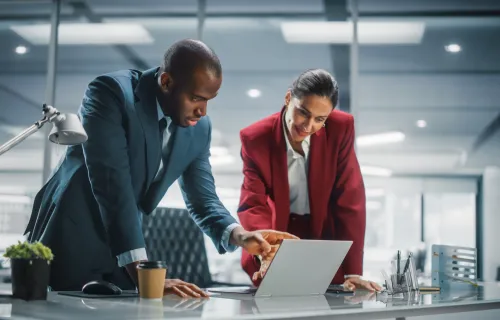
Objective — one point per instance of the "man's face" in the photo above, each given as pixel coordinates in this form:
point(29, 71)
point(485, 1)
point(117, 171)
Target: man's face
point(185, 100)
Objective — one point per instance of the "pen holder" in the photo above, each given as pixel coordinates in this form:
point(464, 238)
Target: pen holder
point(403, 282)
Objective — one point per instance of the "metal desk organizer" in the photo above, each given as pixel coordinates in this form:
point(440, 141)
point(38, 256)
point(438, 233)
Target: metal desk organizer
point(454, 266)
point(403, 282)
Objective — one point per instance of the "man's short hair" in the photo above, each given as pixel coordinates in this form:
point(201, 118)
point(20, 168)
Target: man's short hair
point(186, 56)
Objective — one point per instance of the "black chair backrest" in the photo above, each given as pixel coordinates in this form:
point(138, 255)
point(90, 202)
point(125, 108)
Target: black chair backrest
point(172, 236)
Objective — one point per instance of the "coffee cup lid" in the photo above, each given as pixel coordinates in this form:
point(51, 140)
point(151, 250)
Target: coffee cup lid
point(152, 265)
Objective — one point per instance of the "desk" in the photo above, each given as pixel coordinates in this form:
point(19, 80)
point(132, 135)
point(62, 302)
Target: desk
point(480, 303)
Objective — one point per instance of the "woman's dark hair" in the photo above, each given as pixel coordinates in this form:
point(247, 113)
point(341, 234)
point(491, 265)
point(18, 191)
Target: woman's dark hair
point(316, 82)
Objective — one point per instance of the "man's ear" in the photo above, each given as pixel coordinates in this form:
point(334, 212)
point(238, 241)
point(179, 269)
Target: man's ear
point(166, 81)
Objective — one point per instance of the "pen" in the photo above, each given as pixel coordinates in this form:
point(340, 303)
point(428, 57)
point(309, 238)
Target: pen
point(397, 266)
point(406, 267)
point(388, 282)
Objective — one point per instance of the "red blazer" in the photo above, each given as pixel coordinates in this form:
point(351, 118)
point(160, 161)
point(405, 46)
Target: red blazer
point(336, 189)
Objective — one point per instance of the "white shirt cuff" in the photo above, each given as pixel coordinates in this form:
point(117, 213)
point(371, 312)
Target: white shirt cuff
point(132, 256)
point(225, 238)
point(352, 276)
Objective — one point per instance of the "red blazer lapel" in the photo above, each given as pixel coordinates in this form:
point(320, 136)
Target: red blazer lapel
point(318, 173)
point(279, 169)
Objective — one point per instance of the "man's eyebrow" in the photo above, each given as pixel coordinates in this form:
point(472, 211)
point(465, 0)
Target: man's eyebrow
point(198, 96)
point(204, 98)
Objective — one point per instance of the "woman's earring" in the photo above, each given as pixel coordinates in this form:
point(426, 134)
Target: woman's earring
point(324, 125)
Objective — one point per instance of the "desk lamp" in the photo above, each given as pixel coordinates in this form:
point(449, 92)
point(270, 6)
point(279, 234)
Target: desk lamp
point(67, 129)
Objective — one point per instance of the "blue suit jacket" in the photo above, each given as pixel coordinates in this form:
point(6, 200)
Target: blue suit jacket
point(109, 179)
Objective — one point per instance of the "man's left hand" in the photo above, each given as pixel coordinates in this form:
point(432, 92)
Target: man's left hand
point(353, 283)
point(258, 242)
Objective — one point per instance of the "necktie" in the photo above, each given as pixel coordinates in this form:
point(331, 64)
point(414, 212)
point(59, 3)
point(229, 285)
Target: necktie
point(163, 126)
point(165, 143)
point(164, 131)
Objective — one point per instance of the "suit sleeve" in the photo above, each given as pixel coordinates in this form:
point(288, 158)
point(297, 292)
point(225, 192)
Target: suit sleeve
point(253, 211)
point(349, 203)
point(198, 189)
point(106, 158)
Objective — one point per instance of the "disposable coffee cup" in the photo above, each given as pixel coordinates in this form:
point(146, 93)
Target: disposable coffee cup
point(152, 276)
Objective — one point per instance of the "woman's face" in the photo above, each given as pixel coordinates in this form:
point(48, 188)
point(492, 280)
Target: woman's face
point(306, 116)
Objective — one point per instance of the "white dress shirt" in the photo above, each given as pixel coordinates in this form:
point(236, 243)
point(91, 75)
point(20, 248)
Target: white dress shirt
point(297, 173)
point(140, 253)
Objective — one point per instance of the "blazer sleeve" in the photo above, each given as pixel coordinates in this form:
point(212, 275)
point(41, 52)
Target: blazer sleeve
point(106, 158)
point(349, 203)
point(198, 190)
point(254, 212)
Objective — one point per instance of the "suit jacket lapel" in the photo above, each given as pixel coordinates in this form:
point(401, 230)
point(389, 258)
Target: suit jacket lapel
point(148, 116)
point(279, 171)
point(317, 172)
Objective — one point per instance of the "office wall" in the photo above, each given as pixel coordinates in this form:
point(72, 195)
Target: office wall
point(491, 222)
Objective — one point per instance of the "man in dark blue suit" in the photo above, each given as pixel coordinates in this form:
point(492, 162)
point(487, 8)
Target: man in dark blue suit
point(145, 130)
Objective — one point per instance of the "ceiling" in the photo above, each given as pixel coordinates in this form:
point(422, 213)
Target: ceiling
point(456, 94)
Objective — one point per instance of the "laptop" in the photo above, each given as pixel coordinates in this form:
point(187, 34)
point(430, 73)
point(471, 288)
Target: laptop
point(299, 268)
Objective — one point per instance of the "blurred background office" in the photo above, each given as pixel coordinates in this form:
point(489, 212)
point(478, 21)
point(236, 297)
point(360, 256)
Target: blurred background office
point(421, 78)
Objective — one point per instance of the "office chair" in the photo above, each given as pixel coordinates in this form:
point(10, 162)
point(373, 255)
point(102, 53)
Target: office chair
point(172, 236)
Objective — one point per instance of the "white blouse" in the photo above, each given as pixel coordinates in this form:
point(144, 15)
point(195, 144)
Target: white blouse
point(297, 173)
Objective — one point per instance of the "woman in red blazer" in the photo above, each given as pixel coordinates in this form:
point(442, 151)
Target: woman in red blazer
point(301, 175)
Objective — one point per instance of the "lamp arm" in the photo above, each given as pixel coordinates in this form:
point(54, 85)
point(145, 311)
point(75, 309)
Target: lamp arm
point(23, 135)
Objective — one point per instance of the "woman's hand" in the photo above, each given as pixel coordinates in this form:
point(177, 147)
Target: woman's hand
point(353, 283)
point(258, 242)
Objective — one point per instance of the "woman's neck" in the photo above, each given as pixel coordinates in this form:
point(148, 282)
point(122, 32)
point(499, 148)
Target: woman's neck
point(296, 146)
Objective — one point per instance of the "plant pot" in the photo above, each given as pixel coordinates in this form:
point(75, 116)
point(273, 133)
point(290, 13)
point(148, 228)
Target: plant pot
point(30, 278)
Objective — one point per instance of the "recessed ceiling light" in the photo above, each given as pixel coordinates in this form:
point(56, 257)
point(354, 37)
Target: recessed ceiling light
point(254, 93)
point(21, 49)
point(453, 48)
point(380, 138)
point(421, 123)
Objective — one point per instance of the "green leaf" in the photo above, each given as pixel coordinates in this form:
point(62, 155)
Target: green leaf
point(26, 250)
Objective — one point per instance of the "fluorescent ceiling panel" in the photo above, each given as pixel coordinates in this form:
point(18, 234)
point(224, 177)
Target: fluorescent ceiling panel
point(374, 192)
point(14, 199)
point(217, 151)
point(86, 33)
point(380, 138)
point(220, 24)
point(373, 205)
point(221, 160)
point(369, 32)
point(375, 171)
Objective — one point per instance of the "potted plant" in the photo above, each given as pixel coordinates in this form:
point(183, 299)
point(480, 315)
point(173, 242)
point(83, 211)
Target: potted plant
point(30, 269)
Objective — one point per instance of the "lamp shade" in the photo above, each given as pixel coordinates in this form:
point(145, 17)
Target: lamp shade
point(67, 130)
